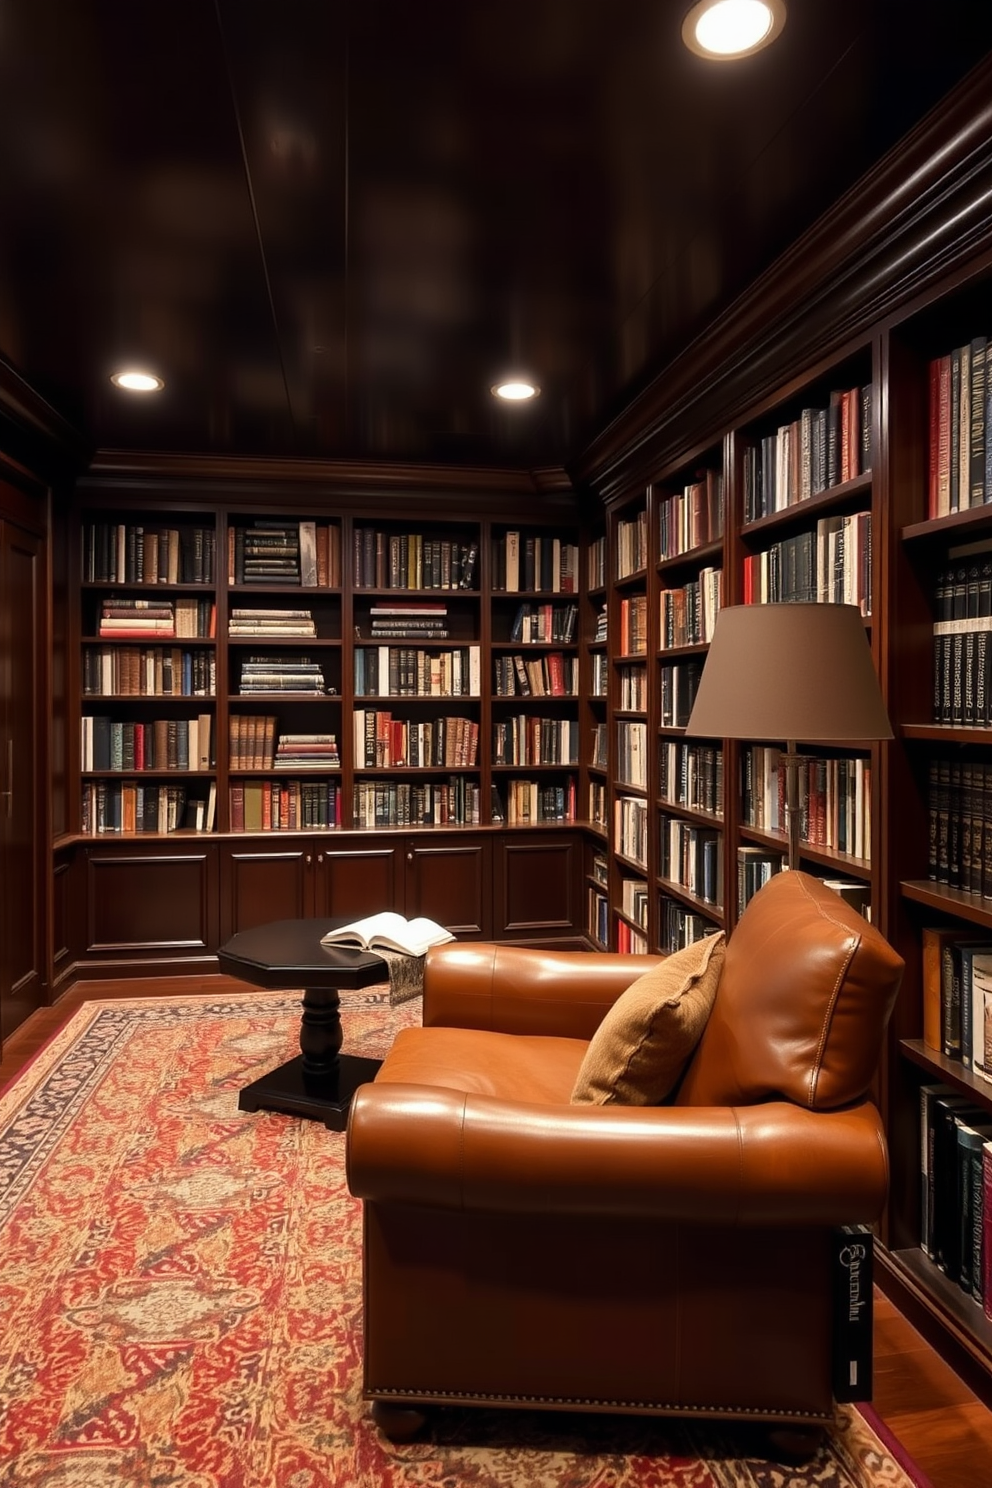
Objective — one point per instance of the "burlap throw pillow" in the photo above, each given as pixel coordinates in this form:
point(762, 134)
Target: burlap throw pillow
point(640, 1049)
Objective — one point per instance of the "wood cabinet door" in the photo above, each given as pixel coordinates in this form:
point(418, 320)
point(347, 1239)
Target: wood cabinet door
point(450, 881)
point(538, 886)
point(353, 881)
point(262, 883)
point(22, 832)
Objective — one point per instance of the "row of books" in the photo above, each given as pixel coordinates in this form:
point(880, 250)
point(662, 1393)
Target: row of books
point(279, 624)
point(292, 672)
point(163, 744)
point(957, 996)
point(962, 644)
point(681, 926)
point(691, 775)
point(284, 805)
point(125, 617)
point(634, 900)
point(632, 689)
point(634, 625)
point(598, 754)
point(828, 564)
point(959, 803)
point(834, 798)
point(148, 671)
point(596, 562)
point(125, 806)
point(687, 616)
point(692, 517)
point(956, 1190)
point(531, 801)
point(692, 857)
point(147, 553)
point(630, 829)
point(410, 560)
point(385, 742)
point(254, 744)
point(597, 804)
point(598, 916)
point(679, 685)
point(551, 623)
point(528, 740)
point(393, 803)
point(632, 754)
point(959, 467)
point(552, 674)
point(632, 545)
point(543, 565)
point(409, 671)
point(599, 674)
point(821, 448)
point(281, 551)
point(755, 866)
point(630, 942)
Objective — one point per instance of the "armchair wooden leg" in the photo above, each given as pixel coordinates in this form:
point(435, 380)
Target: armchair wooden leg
point(794, 1444)
point(397, 1421)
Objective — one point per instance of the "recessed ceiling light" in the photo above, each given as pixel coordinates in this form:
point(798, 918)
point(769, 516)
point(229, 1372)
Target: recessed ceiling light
point(723, 30)
point(137, 382)
point(515, 390)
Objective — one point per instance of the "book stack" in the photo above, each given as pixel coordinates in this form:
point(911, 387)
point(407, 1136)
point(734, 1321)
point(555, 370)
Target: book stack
point(532, 801)
point(394, 803)
point(307, 752)
point(274, 623)
point(122, 617)
point(691, 775)
point(634, 901)
point(125, 806)
point(541, 564)
point(268, 552)
point(755, 866)
point(956, 1190)
point(681, 926)
point(284, 805)
point(692, 857)
point(195, 617)
point(409, 560)
point(828, 564)
point(411, 620)
point(962, 632)
point(632, 545)
point(281, 674)
point(679, 685)
point(634, 625)
point(526, 740)
point(408, 671)
point(959, 794)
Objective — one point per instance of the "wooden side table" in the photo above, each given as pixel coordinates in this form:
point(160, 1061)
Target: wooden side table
point(320, 1081)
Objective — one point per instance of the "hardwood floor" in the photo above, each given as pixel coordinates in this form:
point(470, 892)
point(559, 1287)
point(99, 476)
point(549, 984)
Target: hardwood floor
point(941, 1424)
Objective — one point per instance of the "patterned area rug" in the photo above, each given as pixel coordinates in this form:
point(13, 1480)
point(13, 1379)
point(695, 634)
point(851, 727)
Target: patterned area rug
point(180, 1285)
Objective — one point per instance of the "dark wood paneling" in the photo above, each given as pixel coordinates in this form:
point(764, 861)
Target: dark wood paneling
point(537, 885)
point(451, 882)
point(352, 882)
point(264, 884)
point(153, 902)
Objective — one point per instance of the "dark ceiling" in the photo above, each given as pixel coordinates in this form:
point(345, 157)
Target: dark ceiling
point(331, 226)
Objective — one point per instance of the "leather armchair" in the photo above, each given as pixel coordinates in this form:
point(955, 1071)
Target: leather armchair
point(672, 1259)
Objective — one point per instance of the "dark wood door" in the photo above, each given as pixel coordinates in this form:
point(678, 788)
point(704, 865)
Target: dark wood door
point(538, 886)
point(353, 881)
point(22, 600)
point(451, 881)
point(262, 883)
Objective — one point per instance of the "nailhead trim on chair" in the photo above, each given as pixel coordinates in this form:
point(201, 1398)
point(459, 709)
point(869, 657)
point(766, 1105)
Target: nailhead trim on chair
point(426, 1397)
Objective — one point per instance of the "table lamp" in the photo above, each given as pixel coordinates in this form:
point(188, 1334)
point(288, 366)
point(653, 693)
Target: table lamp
point(789, 672)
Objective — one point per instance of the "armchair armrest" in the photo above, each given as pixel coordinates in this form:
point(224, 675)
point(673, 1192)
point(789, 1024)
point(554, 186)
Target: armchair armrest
point(508, 989)
point(770, 1164)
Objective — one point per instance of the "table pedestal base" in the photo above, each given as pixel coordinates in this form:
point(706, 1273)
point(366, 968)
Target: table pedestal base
point(323, 1096)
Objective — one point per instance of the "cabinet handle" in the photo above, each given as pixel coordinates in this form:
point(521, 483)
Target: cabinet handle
point(409, 857)
point(309, 859)
point(320, 857)
point(8, 794)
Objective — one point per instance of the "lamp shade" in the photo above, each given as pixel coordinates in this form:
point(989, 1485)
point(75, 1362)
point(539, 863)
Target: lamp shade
point(789, 671)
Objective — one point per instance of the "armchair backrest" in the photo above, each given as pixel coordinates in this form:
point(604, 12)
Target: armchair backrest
point(806, 992)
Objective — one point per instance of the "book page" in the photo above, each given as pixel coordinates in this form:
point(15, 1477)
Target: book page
point(362, 932)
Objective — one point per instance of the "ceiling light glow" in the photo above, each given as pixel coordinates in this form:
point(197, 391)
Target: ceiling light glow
point(134, 381)
point(725, 29)
point(516, 390)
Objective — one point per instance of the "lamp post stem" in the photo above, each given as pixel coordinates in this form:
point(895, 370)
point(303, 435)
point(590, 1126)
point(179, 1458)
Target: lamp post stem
point(793, 816)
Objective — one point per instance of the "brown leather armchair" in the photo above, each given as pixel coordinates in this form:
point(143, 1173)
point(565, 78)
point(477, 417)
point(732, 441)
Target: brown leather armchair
point(674, 1259)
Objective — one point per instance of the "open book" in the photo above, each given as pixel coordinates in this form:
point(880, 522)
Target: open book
point(391, 931)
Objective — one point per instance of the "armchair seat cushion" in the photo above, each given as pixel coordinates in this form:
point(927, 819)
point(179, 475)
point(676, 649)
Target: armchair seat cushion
point(475, 1061)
